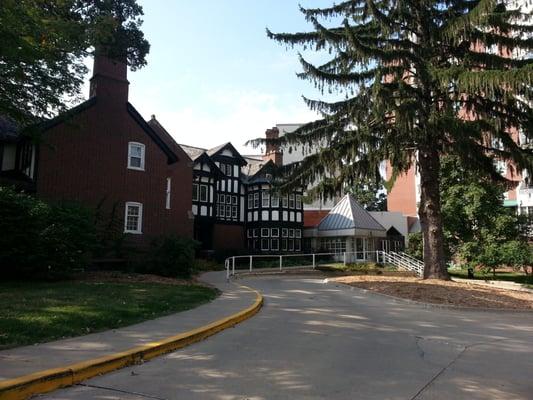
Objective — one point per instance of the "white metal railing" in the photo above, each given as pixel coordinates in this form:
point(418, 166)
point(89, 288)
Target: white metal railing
point(402, 261)
point(281, 262)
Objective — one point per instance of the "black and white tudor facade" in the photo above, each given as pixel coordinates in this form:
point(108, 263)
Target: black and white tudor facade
point(235, 208)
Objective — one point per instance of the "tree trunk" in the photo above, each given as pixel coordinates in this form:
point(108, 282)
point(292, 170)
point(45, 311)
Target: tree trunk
point(430, 215)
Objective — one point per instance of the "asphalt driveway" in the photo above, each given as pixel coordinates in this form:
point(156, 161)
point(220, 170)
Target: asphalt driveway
point(324, 341)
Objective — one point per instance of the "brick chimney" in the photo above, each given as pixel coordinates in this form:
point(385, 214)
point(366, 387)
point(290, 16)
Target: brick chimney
point(110, 79)
point(273, 152)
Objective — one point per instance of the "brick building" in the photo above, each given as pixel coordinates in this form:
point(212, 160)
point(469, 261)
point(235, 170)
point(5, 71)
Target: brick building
point(102, 153)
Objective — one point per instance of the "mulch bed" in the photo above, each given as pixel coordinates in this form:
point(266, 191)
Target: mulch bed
point(442, 292)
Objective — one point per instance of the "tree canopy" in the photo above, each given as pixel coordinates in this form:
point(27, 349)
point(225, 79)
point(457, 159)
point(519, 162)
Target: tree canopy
point(420, 79)
point(44, 43)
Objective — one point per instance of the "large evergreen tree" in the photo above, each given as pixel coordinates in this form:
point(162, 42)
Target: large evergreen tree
point(43, 45)
point(421, 79)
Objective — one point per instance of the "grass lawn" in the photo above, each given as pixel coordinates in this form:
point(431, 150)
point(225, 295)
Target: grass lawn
point(509, 276)
point(33, 312)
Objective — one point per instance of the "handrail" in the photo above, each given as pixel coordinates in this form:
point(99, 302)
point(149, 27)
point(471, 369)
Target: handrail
point(399, 260)
point(409, 260)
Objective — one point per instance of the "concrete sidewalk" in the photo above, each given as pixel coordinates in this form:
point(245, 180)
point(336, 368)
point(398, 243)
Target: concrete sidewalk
point(29, 359)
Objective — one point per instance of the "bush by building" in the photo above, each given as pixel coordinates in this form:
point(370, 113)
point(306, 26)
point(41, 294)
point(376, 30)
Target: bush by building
point(41, 240)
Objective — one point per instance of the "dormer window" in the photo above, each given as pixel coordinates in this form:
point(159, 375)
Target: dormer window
point(136, 156)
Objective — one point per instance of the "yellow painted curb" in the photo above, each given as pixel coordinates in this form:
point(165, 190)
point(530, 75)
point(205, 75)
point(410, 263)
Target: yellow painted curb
point(51, 379)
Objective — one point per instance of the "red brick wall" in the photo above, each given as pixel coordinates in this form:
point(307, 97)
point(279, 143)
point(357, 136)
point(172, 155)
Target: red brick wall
point(85, 160)
point(228, 237)
point(402, 197)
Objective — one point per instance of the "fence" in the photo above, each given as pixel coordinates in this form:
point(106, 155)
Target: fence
point(270, 262)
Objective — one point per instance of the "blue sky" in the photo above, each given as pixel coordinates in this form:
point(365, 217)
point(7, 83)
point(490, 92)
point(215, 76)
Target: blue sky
point(214, 76)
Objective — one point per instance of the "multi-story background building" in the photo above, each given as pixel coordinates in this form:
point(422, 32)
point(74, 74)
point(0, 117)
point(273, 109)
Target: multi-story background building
point(235, 207)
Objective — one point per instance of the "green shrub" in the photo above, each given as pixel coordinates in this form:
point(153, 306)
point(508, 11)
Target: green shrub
point(415, 247)
point(171, 256)
point(43, 241)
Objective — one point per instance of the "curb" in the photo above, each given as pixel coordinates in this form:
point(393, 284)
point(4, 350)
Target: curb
point(51, 379)
point(431, 305)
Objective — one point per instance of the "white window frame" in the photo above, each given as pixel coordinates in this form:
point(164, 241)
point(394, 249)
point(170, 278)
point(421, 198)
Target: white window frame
point(137, 231)
point(265, 199)
point(298, 201)
point(263, 241)
point(274, 232)
point(250, 201)
point(276, 247)
point(143, 152)
point(195, 198)
point(167, 198)
point(274, 201)
point(256, 200)
point(291, 201)
point(206, 193)
point(284, 232)
point(265, 232)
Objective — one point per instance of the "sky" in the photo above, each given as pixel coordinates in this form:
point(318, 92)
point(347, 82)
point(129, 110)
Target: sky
point(213, 76)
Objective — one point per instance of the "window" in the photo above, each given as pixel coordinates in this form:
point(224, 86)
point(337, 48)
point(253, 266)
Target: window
point(228, 211)
point(274, 232)
point(298, 233)
point(274, 244)
point(222, 198)
point(291, 245)
point(298, 245)
point(133, 218)
point(256, 200)
point(291, 201)
point(203, 193)
point(195, 192)
point(234, 212)
point(285, 202)
point(274, 201)
point(284, 244)
point(222, 211)
point(167, 202)
point(250, 233)
point(264, 232)
point(291, 233)
point(264, 244)
point(298, 201)
point(136, 156)
point(284, 232)
point(229, 170)
point(256, 232)
point(234, 200)
point(250, 201)
point(266, 199)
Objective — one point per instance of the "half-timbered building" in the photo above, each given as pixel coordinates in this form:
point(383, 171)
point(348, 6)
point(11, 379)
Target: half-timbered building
point(234, 205)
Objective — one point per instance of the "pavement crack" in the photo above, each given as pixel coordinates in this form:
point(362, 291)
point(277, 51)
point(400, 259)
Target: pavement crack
point(455, 359)
point(439, 374)
point(139, 394)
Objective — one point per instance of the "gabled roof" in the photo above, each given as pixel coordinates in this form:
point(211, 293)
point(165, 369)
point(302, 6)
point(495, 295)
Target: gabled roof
point(193, 152)
point(348, 214)
point(253, 166)
point(166, 137)
point(226, 146)
point(50, 123)
point(172, 156)
point(261, 170)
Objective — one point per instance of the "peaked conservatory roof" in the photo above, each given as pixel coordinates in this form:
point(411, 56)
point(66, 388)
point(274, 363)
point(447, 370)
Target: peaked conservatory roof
point(349, 215)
